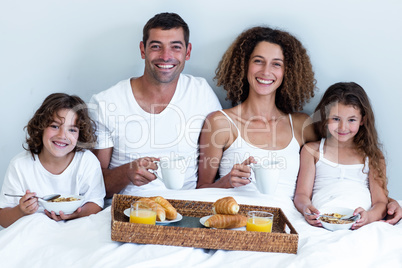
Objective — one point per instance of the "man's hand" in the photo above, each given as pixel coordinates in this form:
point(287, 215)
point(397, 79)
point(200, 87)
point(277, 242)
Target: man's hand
point(138, 172)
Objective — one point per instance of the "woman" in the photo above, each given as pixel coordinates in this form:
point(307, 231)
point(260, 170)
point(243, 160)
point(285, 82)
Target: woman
point(268, 73)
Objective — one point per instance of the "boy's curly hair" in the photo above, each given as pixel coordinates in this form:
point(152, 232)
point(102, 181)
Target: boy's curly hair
point(298, 84)
point(44, 116)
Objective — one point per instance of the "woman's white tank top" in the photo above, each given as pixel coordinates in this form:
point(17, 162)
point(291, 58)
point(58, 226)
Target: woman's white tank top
point(288, 158)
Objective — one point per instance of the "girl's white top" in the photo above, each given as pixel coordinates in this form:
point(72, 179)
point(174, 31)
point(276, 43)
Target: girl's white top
point(338, 185)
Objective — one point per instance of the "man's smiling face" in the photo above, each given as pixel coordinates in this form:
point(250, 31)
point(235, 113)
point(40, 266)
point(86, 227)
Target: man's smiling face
point(165, 54)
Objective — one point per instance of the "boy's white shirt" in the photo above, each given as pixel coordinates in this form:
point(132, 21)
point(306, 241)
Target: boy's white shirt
point(83, 177)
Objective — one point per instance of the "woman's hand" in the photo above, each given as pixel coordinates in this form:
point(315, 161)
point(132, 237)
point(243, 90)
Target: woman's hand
point(394, 212)
point(240, 173)
point(28, 204)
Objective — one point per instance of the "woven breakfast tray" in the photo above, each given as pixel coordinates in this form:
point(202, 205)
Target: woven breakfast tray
point(283, 238)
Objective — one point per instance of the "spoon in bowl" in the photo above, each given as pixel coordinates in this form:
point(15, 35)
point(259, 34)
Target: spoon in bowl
point(46, 197)
point(319, 215)
point(351, 218)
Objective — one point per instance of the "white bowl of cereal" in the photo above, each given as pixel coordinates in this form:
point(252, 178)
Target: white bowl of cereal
point(336, 224)
point(66, 203)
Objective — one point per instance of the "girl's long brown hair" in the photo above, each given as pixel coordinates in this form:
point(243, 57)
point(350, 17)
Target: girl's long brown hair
point(366, 139)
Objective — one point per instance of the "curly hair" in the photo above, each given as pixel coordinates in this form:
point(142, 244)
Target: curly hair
point(366, 139)
point(44, 116)
point(298, 85)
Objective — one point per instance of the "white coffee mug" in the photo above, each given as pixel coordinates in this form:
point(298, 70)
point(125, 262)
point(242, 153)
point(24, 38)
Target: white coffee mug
point(266, 176)
point(173, 172)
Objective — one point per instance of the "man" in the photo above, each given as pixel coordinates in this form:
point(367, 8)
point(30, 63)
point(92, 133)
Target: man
point(158, 114)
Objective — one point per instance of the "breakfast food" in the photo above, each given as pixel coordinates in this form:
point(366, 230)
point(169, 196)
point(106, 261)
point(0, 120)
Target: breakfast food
point(160, 212)
point(221, 221)
point(226, 217)
point(226, 205)
point(64, 199)
point(333, 220)
point(170, 211)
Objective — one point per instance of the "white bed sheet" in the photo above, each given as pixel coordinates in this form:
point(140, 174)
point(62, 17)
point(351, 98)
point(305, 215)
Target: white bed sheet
point(37, 241)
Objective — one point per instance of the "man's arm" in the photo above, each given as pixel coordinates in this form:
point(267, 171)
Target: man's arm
point(115, 179)
point(118, 178)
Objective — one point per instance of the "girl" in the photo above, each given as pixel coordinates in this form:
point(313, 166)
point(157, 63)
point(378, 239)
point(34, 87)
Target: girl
point(268, 74)
point(54, 162)
point(346, 168)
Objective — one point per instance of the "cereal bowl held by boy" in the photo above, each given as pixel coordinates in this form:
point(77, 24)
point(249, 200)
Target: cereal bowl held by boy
point(65, 203)
point(333, 224)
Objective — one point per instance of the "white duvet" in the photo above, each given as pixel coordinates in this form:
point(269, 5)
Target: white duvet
point(37, 241)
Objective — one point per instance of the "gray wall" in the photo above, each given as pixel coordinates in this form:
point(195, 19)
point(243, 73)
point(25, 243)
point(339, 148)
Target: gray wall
point(83, 47)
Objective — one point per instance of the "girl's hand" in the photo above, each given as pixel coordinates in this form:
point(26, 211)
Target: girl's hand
point(28, 203)
point(63, 216)
point(364, 219)
point(237, 176)
point(312, 219)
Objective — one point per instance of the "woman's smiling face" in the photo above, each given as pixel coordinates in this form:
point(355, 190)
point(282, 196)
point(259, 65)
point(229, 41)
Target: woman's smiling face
point(266, 68)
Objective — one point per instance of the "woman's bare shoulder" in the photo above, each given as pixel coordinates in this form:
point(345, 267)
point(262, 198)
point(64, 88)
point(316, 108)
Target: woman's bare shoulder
point(300, 118)
point(312, 148)
point(314, 145)
point(217, 120)
point(303, 127)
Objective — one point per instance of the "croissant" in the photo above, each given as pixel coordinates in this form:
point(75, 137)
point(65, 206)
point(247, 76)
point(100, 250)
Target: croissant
point(160, 212)
point(226, 205)
point(226, 221)
point(170, 211)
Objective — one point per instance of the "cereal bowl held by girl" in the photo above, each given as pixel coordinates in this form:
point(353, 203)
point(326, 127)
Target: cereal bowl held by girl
point(339, 212)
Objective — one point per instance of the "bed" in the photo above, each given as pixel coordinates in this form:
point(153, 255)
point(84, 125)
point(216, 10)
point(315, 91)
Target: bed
point(37, 241)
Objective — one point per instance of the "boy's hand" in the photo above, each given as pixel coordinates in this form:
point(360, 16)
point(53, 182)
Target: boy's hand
point(63, 216)
point(28, 203)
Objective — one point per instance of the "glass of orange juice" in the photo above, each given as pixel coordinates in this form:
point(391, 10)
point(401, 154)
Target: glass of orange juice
point(142, 213)
point(259, 221)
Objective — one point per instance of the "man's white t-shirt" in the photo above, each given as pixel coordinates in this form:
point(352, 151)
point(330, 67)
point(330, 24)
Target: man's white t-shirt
point(134, 133)
point(83, 176)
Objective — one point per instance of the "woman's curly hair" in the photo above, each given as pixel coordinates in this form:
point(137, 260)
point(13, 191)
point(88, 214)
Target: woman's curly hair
point(366, 139)
point(44, 116)
point(298, 84)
